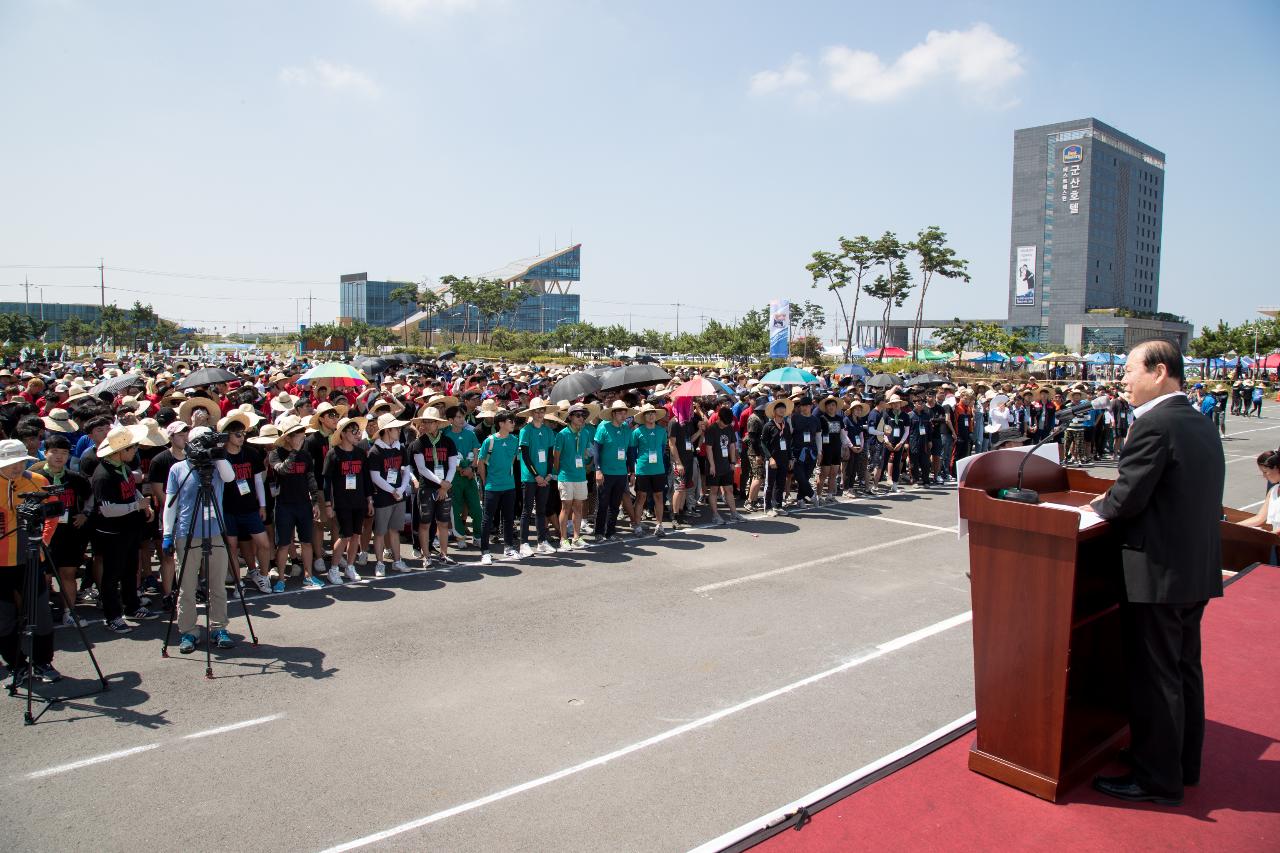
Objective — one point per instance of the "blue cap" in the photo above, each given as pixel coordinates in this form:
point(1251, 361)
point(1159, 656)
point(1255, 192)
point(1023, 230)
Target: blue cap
point(1198, 385)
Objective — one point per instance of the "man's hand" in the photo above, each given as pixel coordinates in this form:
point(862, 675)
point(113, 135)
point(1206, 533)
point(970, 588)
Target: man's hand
point(599, 478)
point(262, 513)
point(329, 513)
point(369, 514)
point(147, 512)
point(442, 492)
point(540, 480)
point(773, 463)
point(79, 520)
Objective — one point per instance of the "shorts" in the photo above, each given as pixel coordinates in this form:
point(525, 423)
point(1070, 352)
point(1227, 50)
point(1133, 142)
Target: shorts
point(685, 481)
point(653, 484)
point(387, 518)
point(293, 518)
point(432, 508)
point(723, 475)
point(572, 491)
point(69, 545)
point(243, 525)
point(756, 464)
point(831, 452)
point(350, 520)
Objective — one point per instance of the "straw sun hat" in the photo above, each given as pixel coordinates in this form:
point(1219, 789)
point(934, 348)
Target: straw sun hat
point(121, 438)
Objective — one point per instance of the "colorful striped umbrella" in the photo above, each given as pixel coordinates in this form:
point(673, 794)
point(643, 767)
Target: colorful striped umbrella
point(334, 374)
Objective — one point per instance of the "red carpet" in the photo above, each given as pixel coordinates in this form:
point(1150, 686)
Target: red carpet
point(937, 803)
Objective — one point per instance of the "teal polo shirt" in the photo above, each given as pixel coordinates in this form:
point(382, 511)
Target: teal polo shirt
point(613, 441)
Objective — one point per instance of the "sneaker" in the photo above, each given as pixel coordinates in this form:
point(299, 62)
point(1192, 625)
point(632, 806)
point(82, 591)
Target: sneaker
point(313, 582)
point(379, 569)
point(46, 673)
point(318, 566)
point(660, 531)
point(188, 644)
point(735, 518)
point(278, 586)
point(335, 575)
point(525, 550)
point(545, 549)
point(352, 574)
point(447, 560)
point(770, 513)
point(510, 555)
point(117, 626)
point(566, 545)
point(362, 558)
point(223, 640)
point(638, 533)
point(417, 552)
point(716, 521)
point(387, 556)
point(486, 559)
point(401, 566)
point(263, 585)
point(579, 543)
point(67, 618)
point(587, 529)
point(142, 614)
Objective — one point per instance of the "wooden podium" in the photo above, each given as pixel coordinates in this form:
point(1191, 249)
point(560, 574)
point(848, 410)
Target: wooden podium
point(1048, 671)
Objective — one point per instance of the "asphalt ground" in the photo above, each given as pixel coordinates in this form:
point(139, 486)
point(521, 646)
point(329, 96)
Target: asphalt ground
point(646, 696)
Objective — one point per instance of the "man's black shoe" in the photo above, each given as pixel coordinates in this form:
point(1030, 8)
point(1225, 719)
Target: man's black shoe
point(1125, 788)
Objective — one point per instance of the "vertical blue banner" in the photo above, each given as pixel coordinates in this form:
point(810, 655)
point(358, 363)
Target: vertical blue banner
point(780, 328)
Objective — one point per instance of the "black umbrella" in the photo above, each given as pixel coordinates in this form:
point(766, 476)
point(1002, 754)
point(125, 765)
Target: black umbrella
point(575, 385)
point(117, 384)
point(883, 380)
point(924, 380)
point(598, 369)
point(205, 376)
point(633, 376)
point(370, 364)
point(447, 354)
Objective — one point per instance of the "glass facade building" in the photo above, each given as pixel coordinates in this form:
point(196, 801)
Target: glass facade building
point(53, 312)
point(370, 301)
point(1088, 206)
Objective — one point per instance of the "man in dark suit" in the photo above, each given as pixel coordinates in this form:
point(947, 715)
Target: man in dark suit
point(1166, 505)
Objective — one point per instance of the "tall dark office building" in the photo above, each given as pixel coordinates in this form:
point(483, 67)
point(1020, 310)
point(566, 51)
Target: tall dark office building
point(1084, 259)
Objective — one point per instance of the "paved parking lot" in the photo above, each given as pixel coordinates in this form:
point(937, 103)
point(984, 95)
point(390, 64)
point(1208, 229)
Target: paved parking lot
point(643, 696)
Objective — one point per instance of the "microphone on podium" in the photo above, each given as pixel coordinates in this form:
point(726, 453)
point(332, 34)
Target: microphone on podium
point(1065, 416)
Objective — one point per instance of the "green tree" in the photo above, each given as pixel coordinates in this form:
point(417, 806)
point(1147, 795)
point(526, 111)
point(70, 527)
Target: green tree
point(836, 271)
point(113, 325)
point(140, 317)
point(936, 258)
point(74, 330)
point(433, 303)
point(893, 291)
point(406, 295)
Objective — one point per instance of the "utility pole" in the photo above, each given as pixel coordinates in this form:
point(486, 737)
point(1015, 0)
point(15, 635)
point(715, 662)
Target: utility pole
point(26, 288)
point(102, 283)
point(310, 318)
point(677, 319)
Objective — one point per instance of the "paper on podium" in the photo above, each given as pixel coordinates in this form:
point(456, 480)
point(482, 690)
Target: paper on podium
point(1048, 451)
point(1088, 518)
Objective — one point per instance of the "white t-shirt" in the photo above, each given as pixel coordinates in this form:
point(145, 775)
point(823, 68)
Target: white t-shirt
point(1273, 508)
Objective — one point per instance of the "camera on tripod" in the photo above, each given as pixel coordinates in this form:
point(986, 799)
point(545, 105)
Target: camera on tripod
point(36, 508)
point(207, 447)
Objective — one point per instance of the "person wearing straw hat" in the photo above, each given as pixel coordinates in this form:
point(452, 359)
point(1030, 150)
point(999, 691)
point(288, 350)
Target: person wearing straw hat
point(858, 445)
point(71, 539)
point(244, 503)
point(778, 443)
point(393, 481)
point(59, 420)
point(187, 527)
point(348, 493)
point(16, 481)
point(122, 513)
point(297, 501)
point(496, 461)
point(831, 428)
point(570, 458)
point(199, 411)
point(536, 441)
point(465, 493)
point(648, 442)
point(894, 435)
point(722, 459)
point(324, 421)
point(435, 459)
point(612, 441)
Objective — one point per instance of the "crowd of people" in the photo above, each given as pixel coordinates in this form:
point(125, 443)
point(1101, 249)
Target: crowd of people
point(317, 483)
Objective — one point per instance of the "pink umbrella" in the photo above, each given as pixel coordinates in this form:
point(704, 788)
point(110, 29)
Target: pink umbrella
point(887, 352)
point(696, 387)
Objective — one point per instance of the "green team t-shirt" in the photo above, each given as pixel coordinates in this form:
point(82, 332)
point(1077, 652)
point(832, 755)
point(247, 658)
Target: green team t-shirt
point(499, 454)
point(613, 441)
point(649, 444)
point(539, 440)
point(573, 454)
point(467, 445)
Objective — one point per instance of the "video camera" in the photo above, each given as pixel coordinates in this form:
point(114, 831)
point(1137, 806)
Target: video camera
point(207, 447)
point(36, 508)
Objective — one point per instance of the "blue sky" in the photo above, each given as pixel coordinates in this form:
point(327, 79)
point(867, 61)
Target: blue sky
point(699, 151)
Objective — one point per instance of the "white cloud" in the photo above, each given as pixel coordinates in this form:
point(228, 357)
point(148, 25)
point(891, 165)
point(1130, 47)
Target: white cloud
point(333, 76)
point(977, 61)
point(413, 8)
point(794, 74)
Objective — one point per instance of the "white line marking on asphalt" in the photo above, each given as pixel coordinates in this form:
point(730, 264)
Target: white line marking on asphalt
point(125, 753)
point(810, 563)
point(878, 651)
point(233, 727)
point(1259, 429)
point(97, 759)
point(768, 820)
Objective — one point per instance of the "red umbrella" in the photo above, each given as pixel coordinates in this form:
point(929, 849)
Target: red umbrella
point(696, 387)
point(1269, 362)
point(887, 352)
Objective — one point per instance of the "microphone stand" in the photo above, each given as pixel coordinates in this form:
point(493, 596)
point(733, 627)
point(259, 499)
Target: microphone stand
point(1031, 496)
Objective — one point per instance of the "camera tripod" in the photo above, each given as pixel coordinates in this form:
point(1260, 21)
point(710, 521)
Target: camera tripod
point(204, 512)
point(31, 546)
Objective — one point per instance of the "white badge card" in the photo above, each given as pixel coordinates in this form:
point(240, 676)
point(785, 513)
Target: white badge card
point(439, 472)
point(782, 444)
point(577, 462)
point(622, 456)
point(242, 486)
point(351, 482)
point(542, 456)
point(896, 432)
point(393, 476)
point(922, 430)
point(724, 451)
point(65, 517)
point(653, 458)
point(807, 438)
